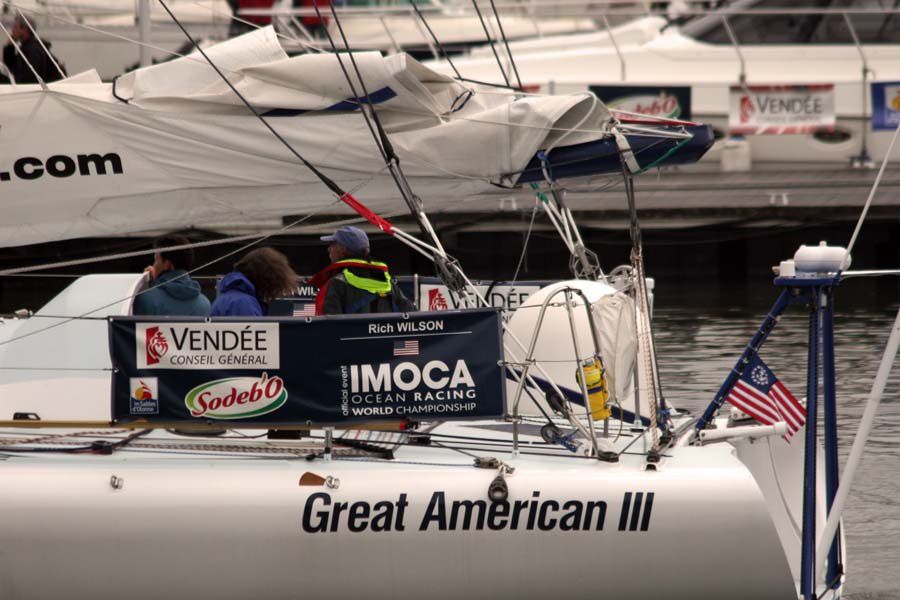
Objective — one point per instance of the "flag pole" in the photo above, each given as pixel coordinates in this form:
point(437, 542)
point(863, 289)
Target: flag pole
point(808, 537)
point(835, 560)
point(768, 324)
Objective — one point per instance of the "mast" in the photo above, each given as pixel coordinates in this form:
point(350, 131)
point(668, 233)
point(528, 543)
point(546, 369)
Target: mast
point(144, 32)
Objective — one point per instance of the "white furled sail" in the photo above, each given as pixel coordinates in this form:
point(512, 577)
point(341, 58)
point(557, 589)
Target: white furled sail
point(172, 146)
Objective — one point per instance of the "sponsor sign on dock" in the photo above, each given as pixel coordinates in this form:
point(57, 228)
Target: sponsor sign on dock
point(885, 105)
point(328, 370)
point(663, 102)
point(780, 109)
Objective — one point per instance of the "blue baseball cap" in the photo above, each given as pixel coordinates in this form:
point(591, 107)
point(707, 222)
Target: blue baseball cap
point(351, 238)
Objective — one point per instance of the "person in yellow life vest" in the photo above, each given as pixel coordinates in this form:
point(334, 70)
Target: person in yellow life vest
point(354, 282)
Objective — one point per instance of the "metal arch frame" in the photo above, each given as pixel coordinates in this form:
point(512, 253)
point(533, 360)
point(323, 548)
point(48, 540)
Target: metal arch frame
point(528, 360)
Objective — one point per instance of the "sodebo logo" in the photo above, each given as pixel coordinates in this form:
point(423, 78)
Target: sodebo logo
point(236, 397)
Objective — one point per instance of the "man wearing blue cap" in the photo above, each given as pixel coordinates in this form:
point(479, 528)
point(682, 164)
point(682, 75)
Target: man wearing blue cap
point(353, 282)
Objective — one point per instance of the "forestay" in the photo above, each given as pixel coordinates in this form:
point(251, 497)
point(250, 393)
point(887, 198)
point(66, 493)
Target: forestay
point(171, 145)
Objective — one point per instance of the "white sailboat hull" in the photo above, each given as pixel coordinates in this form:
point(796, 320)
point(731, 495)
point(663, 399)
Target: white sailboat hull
point(240, 517)
point(213, 528)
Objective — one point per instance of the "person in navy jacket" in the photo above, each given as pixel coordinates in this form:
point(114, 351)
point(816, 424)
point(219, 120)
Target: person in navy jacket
point(261, 276)
point(172, 292)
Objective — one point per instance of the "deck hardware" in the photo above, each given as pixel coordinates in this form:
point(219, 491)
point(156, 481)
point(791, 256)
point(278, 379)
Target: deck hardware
point(498, 490)
point(102, 447)
point(26, 416)
point(550, 433)
point(116, 482)
point(329, 433)
point(332, 483)
point(555, 401)
point(487, 462)
point(607, 456)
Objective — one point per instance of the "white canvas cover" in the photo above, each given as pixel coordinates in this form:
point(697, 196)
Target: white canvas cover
point(172, 146)
point(614, 321)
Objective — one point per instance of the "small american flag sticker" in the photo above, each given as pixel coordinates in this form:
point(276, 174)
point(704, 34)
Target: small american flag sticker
point(406, 348)
point(304, 310)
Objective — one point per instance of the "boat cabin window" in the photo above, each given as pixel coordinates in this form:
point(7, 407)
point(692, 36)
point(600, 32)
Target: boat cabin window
point(871, 28)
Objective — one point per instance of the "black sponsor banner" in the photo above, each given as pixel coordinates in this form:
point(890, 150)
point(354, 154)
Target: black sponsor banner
point(421, 366)
point(669, 102)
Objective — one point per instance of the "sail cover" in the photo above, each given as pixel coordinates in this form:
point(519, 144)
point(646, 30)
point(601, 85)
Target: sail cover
point(172, 146)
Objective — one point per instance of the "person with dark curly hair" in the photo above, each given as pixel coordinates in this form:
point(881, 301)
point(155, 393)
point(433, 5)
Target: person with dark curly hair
point(261, 276)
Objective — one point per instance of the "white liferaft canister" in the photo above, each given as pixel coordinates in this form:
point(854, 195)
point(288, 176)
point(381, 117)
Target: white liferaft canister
point(821, 259)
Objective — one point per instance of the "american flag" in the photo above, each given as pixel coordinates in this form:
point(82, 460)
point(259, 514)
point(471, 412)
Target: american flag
point(759, 394)
point(406, 348)
point(304, 310)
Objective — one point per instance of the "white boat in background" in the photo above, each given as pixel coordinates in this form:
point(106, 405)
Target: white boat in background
point(106, 35)
point(804, 43)
point(397, 28)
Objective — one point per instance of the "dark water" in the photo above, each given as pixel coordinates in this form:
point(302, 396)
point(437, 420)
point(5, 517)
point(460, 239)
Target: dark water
point(701, 333)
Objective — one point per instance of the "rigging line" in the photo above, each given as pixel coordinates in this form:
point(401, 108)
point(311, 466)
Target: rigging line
point(325, 180)
point(512, 61)
point(434, 37)
point(79, 369)
point(413, 202)
point(48, 275)
point(524, 248)
point(387, 150)
point(234, 17)
point(34, 34)
point(25, 58)
point(96, 446)
point(548, 128)
point(488, 445)
point(496, 85)
point(407, 442)
point(124, 38)
point(21, 271)
point(102, 31)
point(460, 450)
point(56, 437)
point(491, 42)
point(507, 91)
point(357, 98)
point(862, 217)
point(644, 328)
point(145, 290)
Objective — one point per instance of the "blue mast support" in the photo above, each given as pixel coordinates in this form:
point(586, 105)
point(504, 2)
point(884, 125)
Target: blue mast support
point(835, 562)
point(818, 293)
point(808, 539)
point(768, 324)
